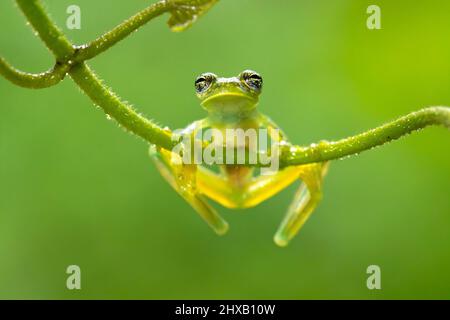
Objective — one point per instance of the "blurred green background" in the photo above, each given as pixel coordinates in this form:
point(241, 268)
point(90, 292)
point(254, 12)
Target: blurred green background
point(76, 189)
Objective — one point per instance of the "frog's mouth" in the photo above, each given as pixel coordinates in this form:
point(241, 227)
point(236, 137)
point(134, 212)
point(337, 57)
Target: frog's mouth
point(229, 101)
point(229, 95)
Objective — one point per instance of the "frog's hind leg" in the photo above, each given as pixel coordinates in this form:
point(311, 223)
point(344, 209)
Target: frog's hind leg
point(263, 187)
point(252, 193)
point(305, 201)
point(183, 179)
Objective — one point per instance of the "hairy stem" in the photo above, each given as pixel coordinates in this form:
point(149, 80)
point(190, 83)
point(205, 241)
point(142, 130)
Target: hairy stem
point(120, 111)
point(184, 13)
point(107, 40)
point(31, 80)
point(47, 30)
point(88, 81)
point(328, 150)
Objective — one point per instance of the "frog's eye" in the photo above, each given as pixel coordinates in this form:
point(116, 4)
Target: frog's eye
point(204, 81)
point(252, 79)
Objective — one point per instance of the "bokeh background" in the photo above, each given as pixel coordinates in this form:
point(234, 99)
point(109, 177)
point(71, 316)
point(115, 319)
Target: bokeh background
point(76, 189)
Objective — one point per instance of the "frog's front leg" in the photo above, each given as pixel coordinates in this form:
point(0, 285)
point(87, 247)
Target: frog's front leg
point(182, 178)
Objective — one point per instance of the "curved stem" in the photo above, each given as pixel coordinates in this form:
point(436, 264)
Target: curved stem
point(49, 33)
point(107, 40)
point(31, 80)
point(184, 13)
point(328, 150)
point(89, 83)
point(120, 111)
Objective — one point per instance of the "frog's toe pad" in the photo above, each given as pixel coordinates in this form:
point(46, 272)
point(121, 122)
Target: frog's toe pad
point(280, 240)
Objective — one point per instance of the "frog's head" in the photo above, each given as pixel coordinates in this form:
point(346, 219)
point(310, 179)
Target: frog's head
point(229, 95)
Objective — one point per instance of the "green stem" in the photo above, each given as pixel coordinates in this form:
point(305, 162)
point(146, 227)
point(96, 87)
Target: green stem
point(132, 121)
point(325, 150)
point(107, 40)
point(88, 81)
point(49, 33)
point(184, 13)
point(120, 111)
point(33, 81)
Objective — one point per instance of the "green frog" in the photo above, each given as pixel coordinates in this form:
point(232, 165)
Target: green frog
point(231, 103)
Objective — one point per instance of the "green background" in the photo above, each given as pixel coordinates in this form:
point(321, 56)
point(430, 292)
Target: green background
point(76, 189)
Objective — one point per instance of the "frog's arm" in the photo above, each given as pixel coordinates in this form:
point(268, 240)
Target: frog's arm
point(183, 178)
point(330, 150)
point(268, 123)
point(71, 59)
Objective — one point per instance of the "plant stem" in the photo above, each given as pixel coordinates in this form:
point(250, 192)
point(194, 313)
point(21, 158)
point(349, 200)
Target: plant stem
point(33, 81)
point(88, 81)
point(49, 33)
point(186, 12)
point(107, 40)
point(124, 114)
point(327, 150)
point(120, 111)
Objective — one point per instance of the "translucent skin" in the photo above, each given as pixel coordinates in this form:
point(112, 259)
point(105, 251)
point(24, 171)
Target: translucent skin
point(232, 103)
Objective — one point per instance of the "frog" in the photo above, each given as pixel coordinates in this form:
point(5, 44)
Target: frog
point(232, 103)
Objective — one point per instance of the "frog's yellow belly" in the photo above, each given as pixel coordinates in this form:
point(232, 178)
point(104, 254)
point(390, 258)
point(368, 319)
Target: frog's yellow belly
point(237, 175)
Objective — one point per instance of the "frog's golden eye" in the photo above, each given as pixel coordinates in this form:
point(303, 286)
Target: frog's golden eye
point(252, 79)
point(204, 81)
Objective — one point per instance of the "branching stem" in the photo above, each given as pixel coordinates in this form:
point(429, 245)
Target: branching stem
point(71, 59)
point(88, 81)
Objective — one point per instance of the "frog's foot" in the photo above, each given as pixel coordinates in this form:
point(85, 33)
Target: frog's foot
point(183, 179)
point(186, 12)
point(306, 199)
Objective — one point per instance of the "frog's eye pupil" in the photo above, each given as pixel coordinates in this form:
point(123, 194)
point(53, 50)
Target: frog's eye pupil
point(202, 83)
point(253, 80)
point(199, 80)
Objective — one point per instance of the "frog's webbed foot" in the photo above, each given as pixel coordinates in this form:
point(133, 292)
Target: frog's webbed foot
point(182, 177)
point(305, 201)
